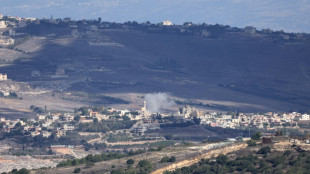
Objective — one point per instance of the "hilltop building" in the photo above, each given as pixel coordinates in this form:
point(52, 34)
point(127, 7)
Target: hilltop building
point(1, 16)
point(167, 23)
point(3, 77)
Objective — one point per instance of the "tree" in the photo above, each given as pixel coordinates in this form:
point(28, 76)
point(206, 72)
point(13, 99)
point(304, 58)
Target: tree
point(23, 171)
point(84, 110)
point(130, 161)
point(221, 159)
point(251, 143)
point(95, 120)
point(13, 94)
point(89, 164)
point(256, 136)
point(197, 120)
point(287, 152)
point(168, 137)
point(279, 133)
point(264, 150)
point(172, 159)
point(145, 165)
point(77, 170)
point(17, 125)
point(77, 118)
point(164, 159)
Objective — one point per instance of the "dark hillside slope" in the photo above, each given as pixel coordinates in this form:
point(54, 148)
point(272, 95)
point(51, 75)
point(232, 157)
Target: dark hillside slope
point(268, 73)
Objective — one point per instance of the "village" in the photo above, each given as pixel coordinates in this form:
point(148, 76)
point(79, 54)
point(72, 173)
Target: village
point(129, 138)
point(60, 123)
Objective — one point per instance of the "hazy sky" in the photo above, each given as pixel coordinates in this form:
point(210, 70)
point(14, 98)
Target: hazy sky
point(288, 15)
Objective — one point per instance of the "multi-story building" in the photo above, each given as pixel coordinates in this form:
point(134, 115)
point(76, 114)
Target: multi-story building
point(305, 117)
point(67, 127)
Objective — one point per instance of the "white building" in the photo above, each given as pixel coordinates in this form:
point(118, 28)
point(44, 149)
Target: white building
point(2, 119)
point(1, 16)
point(68, 127)
point(68, 117)
point(46, 124)
point(6, 41)
point(167, 23)
point(305, 117)
point(3, 24)
point(46, 134)
point(41, 117)
point(3, 77)
point(144, 112)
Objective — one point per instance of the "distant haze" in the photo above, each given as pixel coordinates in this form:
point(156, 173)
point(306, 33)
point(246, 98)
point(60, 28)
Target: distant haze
point(155, 102)
point(288, 15)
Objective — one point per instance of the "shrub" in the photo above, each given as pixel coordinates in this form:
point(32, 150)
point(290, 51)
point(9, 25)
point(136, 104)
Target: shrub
point(251, 143)
point(256, 136)
point(164, 159)
point(287, 152)
point(130, 161)
point(77, 170)
point(172, 159)
point(145, 165)
point(221, 159)
point(264, 150)
point(89, 164)
point(168, 137)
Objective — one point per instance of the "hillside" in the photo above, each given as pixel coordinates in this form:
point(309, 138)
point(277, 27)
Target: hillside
point(241, 69)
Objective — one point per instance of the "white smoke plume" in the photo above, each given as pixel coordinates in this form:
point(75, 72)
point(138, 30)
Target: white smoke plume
point(157, 102)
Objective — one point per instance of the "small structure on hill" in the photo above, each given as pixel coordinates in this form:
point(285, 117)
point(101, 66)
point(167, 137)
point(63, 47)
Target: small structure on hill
point(167, 23)
point(3, 77)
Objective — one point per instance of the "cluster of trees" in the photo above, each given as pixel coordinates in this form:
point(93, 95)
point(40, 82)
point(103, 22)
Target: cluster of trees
point(211, 106)
point(107, 125)
point(278, 162)
point(166, 159)
point(11, 95)
point(178, 124)
point(143, 167)
point(255, 137)
point(21, 171)
point(37, 109)
point(98, 157)
point(72, 138)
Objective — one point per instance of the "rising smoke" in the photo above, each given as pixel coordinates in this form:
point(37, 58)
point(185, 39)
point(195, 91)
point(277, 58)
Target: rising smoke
point(157, 102)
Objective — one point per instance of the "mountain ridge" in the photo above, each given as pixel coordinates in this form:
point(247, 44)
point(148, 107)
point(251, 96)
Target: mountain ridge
point(212, 62)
